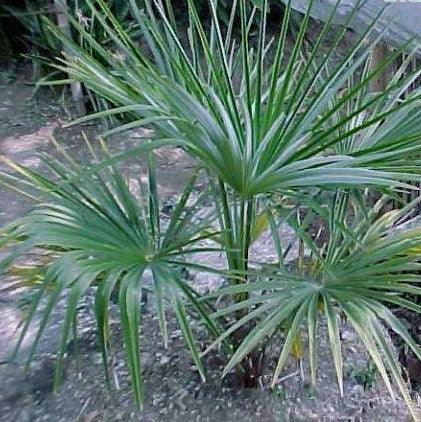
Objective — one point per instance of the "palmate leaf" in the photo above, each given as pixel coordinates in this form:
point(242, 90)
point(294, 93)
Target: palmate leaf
point(282, 126)
point(98, 234)
point(376, 267)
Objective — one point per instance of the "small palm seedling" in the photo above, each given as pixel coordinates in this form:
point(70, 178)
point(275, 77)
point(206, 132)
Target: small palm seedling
point(366, 376)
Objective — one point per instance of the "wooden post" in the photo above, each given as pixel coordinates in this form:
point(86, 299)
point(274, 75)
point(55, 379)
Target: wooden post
point(378, 83)
point(63, 23)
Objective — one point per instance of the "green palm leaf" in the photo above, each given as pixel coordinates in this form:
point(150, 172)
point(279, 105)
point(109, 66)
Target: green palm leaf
point(99, 235)
point(376, 268)
point(275, 130)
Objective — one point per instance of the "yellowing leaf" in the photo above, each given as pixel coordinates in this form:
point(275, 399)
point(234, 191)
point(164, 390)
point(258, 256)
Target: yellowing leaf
point(261, 223)
point(297, 348)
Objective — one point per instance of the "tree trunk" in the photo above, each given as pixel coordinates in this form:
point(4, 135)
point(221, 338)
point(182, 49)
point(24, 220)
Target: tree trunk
point(63, 23)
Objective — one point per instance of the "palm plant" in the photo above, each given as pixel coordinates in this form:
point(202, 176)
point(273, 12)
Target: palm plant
point(102, 234)
point(369, 260)
point(267, 120)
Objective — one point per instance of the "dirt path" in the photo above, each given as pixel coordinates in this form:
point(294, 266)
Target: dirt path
point(173, 388)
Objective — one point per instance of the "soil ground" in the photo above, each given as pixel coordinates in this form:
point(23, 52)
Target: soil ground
point(173, 388)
